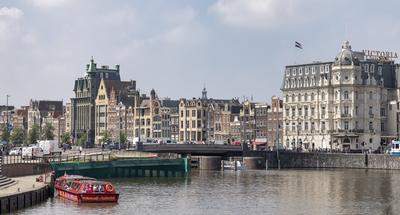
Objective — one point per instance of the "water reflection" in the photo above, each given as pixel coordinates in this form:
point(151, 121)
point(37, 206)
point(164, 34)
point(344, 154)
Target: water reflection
point(248, 192)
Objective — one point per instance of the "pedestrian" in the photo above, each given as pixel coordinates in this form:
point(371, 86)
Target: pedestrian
point(80, 149)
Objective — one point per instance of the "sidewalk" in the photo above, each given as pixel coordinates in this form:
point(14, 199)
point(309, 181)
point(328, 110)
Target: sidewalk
point(23, 184)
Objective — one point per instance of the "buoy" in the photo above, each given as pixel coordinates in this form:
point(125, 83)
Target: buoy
point(109, 188)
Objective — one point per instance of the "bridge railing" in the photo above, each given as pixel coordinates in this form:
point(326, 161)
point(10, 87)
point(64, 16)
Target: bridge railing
point(18, 159)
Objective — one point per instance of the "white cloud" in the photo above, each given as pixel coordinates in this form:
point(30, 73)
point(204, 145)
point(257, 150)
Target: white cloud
point(7, 12)
point(48, 3)
point(254, 13)
point(9, 26)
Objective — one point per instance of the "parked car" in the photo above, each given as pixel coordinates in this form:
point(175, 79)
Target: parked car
point(112, 146)
point(15, 151)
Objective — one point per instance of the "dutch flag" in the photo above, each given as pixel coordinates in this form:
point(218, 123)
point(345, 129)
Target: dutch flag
point(298, 45)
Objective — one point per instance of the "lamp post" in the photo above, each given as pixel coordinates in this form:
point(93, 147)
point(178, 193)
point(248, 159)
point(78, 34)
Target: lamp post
point(7, 125)
point(297, 141)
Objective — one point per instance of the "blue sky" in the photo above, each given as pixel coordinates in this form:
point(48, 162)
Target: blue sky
point(236, 48)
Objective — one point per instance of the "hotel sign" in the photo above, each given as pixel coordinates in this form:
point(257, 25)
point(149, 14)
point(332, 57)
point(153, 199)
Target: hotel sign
point(380, 55)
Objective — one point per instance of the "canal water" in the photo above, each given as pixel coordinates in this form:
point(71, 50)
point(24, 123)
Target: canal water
point(249, 192)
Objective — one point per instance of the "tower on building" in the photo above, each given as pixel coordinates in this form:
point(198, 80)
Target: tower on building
point(204, 93)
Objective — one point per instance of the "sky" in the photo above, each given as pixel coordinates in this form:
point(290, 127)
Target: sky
point(235, 48)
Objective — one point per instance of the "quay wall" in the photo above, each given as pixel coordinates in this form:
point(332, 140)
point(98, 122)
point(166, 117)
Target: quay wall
point(329, 160)
point(24, 169)
point(18, 201)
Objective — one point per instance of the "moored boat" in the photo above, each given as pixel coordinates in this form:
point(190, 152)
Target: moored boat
point(84, 189)
point(395, 148)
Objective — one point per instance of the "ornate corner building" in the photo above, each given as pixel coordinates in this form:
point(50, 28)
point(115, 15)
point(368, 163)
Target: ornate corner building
point(84, 103)
point(342, 105)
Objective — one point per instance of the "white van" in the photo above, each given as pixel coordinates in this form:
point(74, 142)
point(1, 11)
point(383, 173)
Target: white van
point(49, 147)
point(31, 152)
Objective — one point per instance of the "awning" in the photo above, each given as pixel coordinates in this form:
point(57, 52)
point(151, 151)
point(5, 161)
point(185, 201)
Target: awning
point(259, 143)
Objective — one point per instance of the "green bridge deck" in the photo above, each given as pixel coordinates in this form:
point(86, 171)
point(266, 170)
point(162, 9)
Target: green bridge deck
point(153, 167)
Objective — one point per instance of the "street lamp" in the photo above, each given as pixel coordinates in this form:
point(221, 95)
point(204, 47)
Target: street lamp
point(298, 145)
point(7, 125)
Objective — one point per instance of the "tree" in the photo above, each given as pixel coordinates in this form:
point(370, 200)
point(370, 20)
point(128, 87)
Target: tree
point(33, 134)
point(47, 132)
point(66, 137)
point(106, 136)
point(122, 138)
point(17, 136)
point(82, 140)
point(5, 134)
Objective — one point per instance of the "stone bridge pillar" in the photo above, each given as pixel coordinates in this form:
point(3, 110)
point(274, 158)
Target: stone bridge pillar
point(210, 162)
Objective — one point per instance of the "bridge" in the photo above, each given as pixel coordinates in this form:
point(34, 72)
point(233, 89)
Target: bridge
point(195, 149)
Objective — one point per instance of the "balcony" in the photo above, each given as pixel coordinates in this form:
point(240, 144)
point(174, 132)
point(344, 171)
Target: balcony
point(347, 131)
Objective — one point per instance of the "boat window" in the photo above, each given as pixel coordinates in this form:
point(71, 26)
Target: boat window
point(98, 188)
point(75, 186)
point(67, 185)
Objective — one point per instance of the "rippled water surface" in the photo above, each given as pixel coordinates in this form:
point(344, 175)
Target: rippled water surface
point(248, 192)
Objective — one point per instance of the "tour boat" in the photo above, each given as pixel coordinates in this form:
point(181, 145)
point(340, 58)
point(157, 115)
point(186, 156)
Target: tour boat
point(395, 149)
point(84, 189)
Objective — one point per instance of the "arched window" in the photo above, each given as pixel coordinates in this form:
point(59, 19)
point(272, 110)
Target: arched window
point(293, 98)
point(346, 95)
point(323, 96)
point(312, 96)
point(287, 98)
point(305, 97)
point(299, 98)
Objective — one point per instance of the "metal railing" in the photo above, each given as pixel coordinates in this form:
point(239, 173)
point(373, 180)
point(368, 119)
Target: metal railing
point(18, 159)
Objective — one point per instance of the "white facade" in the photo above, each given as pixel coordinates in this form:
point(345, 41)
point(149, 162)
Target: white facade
point(340, 105)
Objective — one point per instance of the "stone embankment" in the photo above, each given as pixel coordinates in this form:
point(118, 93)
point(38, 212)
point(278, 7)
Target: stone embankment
point(25, 192)
point(329, 160)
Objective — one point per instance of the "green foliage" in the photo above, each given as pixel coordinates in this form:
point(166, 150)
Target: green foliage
point(106, 136)
point(5, 134)
point(82, 140)
point(66, 137)
point(33, 134)
point(122, 138)
point(17, 136)
point(47, 132)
